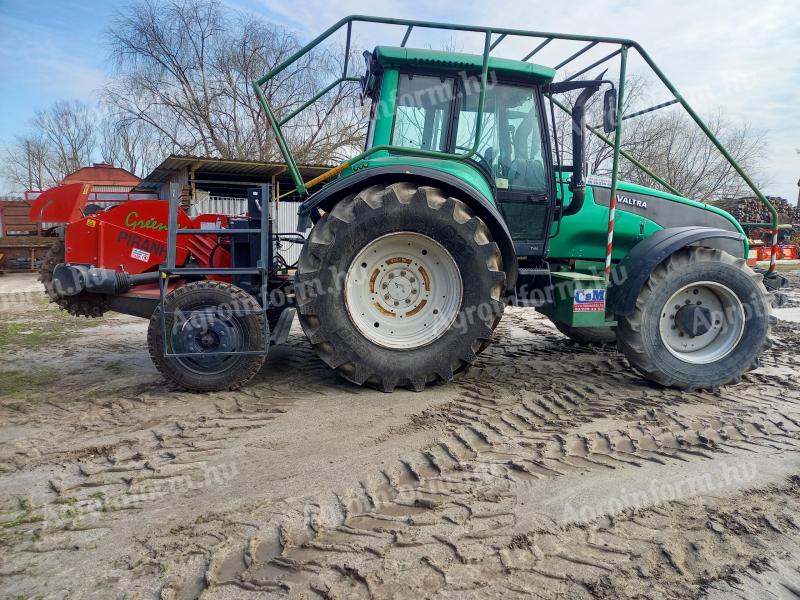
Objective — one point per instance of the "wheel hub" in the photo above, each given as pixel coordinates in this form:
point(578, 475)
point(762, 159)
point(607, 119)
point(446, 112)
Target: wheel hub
point(693, 320)
point(399, 287)
point(403, 290)
point(702, 322)
point(205, 334)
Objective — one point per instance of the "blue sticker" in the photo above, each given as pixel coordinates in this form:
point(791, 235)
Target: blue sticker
point(589, 300)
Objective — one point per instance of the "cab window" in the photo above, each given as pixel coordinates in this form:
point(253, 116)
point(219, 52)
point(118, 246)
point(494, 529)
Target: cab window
point(422, 108)
point(510, 147)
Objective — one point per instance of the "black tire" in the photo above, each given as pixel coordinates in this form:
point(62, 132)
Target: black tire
point(588, 336)
point(358, 220)
point(638, 335)
point(212, 298)
point(84, 304)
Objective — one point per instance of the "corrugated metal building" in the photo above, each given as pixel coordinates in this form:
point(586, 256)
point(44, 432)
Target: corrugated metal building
point(104, 178)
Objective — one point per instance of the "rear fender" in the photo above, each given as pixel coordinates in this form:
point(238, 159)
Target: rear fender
point(327, 197)
point(633, 271)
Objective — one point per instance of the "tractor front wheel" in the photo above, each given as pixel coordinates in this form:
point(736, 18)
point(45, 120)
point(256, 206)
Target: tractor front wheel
point(399, 285)
point(206, 324)
point(700, 321)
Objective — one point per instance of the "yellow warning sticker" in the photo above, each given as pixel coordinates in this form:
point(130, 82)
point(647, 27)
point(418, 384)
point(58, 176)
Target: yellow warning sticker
point(91, 223)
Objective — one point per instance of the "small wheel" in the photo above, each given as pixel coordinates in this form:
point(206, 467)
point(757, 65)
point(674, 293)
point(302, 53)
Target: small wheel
point(399, 285)
point(585, 336)
point(207, 321)
point(700, 322)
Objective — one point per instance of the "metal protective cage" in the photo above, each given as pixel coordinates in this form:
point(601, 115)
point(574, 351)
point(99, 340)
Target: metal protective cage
point(170, 271)
point(493, 36)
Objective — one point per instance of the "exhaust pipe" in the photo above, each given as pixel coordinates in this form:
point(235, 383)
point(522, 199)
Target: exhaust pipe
point(70, 280)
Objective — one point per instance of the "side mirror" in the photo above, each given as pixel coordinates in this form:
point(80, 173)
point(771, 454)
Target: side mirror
point(610, 110)
point(367, 80)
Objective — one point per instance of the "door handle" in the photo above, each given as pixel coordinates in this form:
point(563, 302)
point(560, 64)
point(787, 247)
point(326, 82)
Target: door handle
point(536, 199)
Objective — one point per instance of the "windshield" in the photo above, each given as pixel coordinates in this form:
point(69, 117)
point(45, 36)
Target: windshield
point(511, 142)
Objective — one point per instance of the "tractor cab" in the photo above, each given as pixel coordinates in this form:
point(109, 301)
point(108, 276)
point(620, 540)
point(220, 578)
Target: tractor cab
point(429, 100)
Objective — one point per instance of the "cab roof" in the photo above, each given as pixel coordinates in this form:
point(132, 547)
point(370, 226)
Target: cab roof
point(391, 56)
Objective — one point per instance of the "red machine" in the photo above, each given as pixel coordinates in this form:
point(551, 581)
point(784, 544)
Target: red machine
point(130, 237)
point(214, 287)
point(114, 250)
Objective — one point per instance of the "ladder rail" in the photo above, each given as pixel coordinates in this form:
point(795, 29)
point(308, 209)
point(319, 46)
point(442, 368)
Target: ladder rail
point(169, 270)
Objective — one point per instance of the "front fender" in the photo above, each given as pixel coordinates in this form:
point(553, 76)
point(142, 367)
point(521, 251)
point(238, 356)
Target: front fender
point(329, 195)
point(634, 270)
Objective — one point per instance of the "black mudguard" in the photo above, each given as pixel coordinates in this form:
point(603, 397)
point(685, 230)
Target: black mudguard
point(633, 271)
point(329, 195)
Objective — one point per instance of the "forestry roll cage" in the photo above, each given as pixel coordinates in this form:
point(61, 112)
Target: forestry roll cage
point(489, 44)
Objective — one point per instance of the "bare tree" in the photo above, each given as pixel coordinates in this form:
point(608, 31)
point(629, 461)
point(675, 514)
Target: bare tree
point(62, 140)
point(671, 145)
point(129, 143)
point(69, 131)
point(27, 164)
point(684, 156)
point(185, 68)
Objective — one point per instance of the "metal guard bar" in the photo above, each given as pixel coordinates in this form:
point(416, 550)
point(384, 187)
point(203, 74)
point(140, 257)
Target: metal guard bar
point(625, 45)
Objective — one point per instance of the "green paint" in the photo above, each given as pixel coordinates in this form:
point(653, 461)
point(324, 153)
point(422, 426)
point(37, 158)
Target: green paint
point(133, 221)
point(465, 171)
point(568, 287)
point(451, 62)
point(583, 235)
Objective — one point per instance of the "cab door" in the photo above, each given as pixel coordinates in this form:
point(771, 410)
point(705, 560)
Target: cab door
point(513, 154)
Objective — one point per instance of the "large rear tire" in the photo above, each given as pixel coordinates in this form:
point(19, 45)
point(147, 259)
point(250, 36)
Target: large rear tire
point(700, 322)
point(207, 317)
point(399, 286)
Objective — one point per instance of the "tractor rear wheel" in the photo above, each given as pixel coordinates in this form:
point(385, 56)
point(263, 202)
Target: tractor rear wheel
point(399, 286)
point(208, 320)
point(586, 336)
point(84, 304)
point(700, 321)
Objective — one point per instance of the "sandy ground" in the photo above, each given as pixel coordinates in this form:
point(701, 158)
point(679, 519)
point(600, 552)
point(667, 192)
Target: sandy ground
point(546, 471)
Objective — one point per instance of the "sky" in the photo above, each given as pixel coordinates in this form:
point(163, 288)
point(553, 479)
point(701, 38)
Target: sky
point(736, 56)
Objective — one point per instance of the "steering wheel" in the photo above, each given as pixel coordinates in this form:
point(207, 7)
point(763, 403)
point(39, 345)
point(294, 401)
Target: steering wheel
point(479, 156)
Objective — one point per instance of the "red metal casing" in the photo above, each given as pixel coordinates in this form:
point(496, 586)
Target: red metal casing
point(60, 204)
point(130, 237)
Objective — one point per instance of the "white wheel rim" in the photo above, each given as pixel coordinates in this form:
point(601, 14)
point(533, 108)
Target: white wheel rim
point(403, 290)
point(724, 319)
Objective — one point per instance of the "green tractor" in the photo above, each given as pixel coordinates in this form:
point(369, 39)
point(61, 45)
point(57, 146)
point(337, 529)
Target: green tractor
point(460, 204)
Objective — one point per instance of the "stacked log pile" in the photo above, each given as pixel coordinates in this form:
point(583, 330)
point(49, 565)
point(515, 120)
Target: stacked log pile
point(750, 210)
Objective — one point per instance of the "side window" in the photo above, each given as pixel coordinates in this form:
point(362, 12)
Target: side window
point(421, 112)
point(511, 140)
